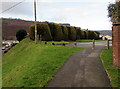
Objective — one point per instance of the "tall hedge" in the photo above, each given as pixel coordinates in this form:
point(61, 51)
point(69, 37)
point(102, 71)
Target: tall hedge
point(43, 30)
point(65, 32)
point(78, 30)
point(51, 26)
point(58, 35)
point(72, 33)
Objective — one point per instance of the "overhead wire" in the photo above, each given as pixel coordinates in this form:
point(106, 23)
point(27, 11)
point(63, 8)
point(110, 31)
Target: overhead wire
point(12, 6)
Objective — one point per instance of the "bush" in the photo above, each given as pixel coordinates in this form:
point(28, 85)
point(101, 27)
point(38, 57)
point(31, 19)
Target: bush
point(43, 30)
point(96, 35)
point(65, 32)
point(51, 26)
point(57, 32)
point(20, 34)
point(72, 33)
point(78, 30)
point(85, 35)
point(32, 32)
point(82, 34)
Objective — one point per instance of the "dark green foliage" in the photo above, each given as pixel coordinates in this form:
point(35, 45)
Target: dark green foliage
point(78, 30)
point(93, 35)
point(85, 35)
point(72, 33)
point(96, 35)
point(65, 32)
point(32, 32)
point(43, 30)
point(114, 12)
point(51, 26)
point(57, 32)
point(82, 34)
point(21, 34)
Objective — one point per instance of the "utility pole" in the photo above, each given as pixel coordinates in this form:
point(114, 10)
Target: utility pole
point(35, 22)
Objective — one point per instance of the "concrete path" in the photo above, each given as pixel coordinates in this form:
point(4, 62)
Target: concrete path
point(83, 69)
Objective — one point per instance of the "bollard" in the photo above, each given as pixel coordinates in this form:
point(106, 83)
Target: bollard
point(63, 44)
point(75, 44)
point(45, 42)
point(93, 44)
point(108, 44)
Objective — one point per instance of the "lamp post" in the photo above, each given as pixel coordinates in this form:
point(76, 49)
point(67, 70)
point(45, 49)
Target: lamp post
point(35, 21)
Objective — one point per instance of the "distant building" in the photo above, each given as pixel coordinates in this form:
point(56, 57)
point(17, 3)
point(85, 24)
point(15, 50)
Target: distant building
point(65, 24)
point(105, 37)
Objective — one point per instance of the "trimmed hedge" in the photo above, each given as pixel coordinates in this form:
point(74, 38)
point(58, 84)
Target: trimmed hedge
point(43, 30)
point(57, 32)
point(78, 30)
point(72, 33)
point(65, 33)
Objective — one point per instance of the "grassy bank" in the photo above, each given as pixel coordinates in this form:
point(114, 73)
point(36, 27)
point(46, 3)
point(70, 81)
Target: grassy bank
point(32, 65)
point(106, 57)
point(87, 40)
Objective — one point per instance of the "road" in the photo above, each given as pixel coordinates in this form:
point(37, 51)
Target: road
point(90, 44)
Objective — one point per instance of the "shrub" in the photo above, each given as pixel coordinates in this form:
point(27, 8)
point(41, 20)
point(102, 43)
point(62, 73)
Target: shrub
point(96, 35)
point(32, 32)
point(51, 26)
point(72, 33)
point(85, 35)
point(78, 33)
point(43, 30)
point(20, 34)
point(82, 34)
point(65, 32)
point(57, 32)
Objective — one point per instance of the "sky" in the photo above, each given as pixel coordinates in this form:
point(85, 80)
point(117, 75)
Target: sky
point(87, 14)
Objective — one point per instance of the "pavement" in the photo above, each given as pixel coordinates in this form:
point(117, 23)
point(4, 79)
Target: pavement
point(83, 69)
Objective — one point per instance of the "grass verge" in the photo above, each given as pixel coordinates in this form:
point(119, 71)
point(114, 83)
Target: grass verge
point(87, 40)
point(113, 73)
point(58, 42)
point(32, 65)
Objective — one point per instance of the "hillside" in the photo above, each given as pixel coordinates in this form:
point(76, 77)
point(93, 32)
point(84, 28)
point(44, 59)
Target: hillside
point(106, 32)
point(32, 65)
point(11, 26)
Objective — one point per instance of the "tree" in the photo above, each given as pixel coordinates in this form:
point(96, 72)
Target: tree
point(114, 12)
point(20, 34)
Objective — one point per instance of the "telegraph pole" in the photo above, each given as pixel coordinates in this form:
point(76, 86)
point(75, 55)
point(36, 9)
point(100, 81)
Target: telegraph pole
point(35, 22)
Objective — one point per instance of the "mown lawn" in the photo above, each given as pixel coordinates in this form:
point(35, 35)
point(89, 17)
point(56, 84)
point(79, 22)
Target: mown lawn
point(32, 65)
point(114, 73)
point(87, 40)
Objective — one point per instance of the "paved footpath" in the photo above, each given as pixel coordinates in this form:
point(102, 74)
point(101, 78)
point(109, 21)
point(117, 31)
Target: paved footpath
point(83, 69)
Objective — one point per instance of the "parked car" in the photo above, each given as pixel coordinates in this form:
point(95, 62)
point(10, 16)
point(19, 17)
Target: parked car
point(3, 48)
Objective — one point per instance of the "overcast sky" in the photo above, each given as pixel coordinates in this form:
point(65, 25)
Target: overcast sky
point(91, 14)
